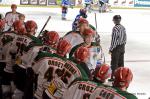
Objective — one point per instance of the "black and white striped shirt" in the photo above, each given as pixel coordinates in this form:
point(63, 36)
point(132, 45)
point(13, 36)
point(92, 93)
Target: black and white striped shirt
point(119, 36)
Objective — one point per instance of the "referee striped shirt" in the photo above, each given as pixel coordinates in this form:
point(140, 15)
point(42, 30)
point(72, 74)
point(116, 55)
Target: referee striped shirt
point(119, 36)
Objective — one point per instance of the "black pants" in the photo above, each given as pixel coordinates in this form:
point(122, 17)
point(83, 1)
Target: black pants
point(2, 66)
point(45, 96)
point(117, 57)
point(20, 77)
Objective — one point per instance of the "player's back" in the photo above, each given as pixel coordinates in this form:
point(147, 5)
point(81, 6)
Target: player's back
point(67, 74)
point(80, 90)
point(102, 92)
point(21, 43)
point(74, 38)
point(47, 65)
point(6, 39)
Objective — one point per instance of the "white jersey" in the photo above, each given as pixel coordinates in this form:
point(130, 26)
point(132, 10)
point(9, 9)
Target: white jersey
point(95, 57)
point(6, 40)
point(102, 92)
point(19, 44)
point(74, 38)
point(58, 86)
point(27, 59)
point(10, 18)
point(45, 70)
point(80, 90)
point(58, 72)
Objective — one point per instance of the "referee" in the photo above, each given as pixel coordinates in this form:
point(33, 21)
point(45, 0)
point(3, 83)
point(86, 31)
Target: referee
point(117, 47)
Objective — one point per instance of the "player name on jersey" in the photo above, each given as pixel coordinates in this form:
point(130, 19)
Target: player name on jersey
point(106, 93)
point(68, 66)
point(21, 39)
point(86, 87)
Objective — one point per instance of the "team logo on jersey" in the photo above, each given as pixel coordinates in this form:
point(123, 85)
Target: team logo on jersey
point(6, 39)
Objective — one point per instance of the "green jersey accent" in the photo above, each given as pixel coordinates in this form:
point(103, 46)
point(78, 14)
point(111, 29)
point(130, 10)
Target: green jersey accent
point(92, 27)
point(125, 94)
point(105, 92)
point(81, 68)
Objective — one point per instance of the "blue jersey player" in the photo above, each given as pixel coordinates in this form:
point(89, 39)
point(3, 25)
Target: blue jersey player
point(82, 14)
point(65, 4)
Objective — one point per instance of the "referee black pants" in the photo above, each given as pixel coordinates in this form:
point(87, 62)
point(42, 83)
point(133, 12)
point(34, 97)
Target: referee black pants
point(117, 57)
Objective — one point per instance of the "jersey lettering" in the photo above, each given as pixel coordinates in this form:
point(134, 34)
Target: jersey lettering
point(107, 95)
point(21, 43)
point(86, 87)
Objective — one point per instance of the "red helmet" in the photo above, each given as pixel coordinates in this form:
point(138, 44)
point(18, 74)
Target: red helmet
point(83, 21)
point(81, 53)
point(63, 47)
point(2, 24)
point(103, 72)
point(17, 24)
point(22, 30)
point(31, 26)
point(122, 77)
point(52, 37)
point(13, 6)
point(88, 32)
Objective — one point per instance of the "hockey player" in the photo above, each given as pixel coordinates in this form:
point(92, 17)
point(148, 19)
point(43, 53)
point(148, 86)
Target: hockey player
point(122, 78)
point(103, 6)
point(73, 69)
point(7, 78)
point(88, 4)
point(17, 24)
point(11, 17)
point(2, 61)
point(23, 65)
point(82, 89)
point(64, 4)
point(76, 38)
point(2, 64)
point(21, 46)
point(3, 36)
point(48, 65)
point(50, 38)
point(82, 14)
point(88, 36)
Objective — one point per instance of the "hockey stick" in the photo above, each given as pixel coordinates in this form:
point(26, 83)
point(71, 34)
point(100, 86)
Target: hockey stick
point(98, 37)
point(44, 25)
point(96, 22)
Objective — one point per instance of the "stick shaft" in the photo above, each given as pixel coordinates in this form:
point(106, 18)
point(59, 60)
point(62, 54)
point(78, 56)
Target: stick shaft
point(96, 21)
point(44, 25)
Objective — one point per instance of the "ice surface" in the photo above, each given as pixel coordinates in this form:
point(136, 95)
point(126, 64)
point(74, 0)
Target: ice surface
point(137, 23)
